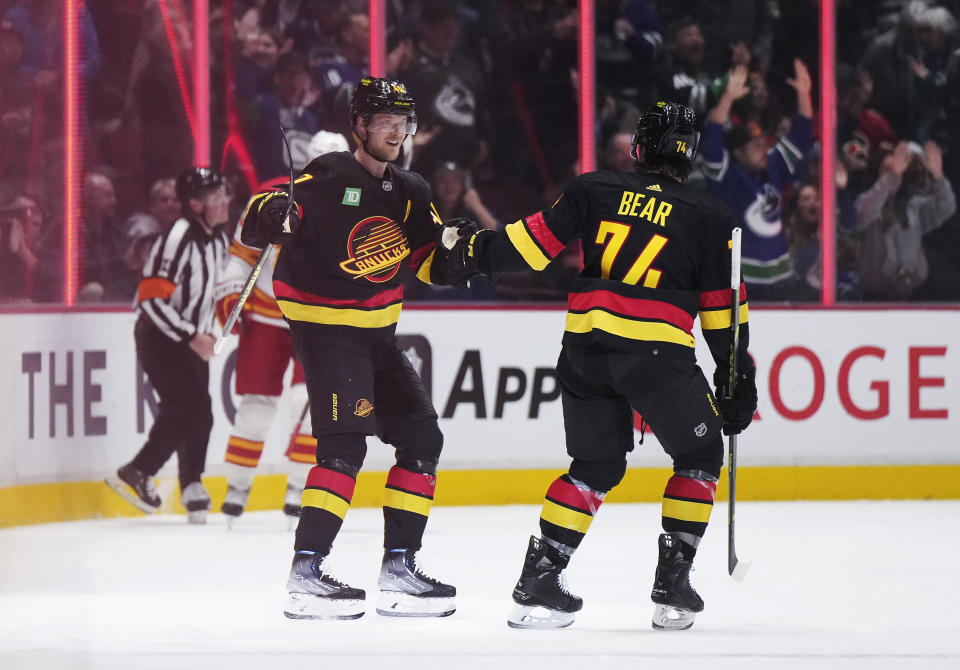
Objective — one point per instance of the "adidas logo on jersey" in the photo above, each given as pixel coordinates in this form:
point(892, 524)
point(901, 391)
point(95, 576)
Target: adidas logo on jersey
point(654, 187)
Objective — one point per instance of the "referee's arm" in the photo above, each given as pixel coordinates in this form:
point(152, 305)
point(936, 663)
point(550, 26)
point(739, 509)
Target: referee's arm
point(161, 275)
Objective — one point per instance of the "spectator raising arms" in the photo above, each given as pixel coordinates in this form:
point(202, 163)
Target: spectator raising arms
point(911, 198)
point(752, 183)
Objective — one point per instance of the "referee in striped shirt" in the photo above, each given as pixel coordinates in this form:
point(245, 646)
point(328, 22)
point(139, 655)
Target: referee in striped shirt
point(174, 336)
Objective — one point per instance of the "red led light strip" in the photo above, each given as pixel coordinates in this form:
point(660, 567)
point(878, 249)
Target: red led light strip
point(73, 149)
point(588, 162)
point(828, 142)
point(201, 82)
point(378, 38)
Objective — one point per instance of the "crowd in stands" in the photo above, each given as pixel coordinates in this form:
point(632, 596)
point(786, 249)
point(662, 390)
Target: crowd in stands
point(496, 89)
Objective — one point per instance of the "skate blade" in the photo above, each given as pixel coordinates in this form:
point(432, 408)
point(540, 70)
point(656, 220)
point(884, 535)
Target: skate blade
point(120, 488)
point(197, 517)
point(308, 606)
point(538, 616)
point(667, 617)
point(394, 603)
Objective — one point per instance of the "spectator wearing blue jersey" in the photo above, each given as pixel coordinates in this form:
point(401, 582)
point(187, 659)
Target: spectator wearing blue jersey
point(750, 178)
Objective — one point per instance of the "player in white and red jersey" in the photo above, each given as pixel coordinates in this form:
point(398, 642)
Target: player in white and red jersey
point(264, 353)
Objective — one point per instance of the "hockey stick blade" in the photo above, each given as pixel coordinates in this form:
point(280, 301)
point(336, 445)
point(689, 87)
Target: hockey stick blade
point(740, 569)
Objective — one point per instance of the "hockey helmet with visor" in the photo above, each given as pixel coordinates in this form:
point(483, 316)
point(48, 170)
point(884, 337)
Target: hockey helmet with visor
point(373, 95)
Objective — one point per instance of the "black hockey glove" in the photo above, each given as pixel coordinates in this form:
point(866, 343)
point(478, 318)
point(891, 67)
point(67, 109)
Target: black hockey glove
point(270, 223)
point(737, 411)
point(460, 248)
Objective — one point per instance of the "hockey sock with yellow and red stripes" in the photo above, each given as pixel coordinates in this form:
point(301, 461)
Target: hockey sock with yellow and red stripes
point(407, 499)
point(687, 503)
point(243, 452)
point(302, 448)
point(567, 512)
point(326, 499)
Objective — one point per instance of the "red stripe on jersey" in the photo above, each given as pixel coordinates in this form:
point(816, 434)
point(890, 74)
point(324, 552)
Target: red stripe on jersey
point(337, 482)
point(420, 255)
point(693, 489)
point(583, 499)
point(721, 298)
point(638, 308)
point(539, 229)
point(284, 290)
point(423, 485)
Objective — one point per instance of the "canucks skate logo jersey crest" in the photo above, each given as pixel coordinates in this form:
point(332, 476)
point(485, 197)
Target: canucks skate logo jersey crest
point(375, 247)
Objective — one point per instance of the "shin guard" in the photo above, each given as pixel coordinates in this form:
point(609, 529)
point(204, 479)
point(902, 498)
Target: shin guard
point(568, 511)
point(687, 503)
point(406, 505)
point(326, 499)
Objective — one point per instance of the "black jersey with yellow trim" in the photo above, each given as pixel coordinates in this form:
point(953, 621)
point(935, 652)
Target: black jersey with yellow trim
point(656, 255)
point(344, 267)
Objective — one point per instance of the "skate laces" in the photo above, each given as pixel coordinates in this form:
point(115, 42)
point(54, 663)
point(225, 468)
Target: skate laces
point(316, 567)
point(414, 567)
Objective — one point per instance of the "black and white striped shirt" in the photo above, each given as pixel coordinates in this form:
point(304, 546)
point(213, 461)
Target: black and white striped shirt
point(176, 288)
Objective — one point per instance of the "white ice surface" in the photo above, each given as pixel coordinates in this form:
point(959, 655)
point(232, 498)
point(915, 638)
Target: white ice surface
point(832, 585)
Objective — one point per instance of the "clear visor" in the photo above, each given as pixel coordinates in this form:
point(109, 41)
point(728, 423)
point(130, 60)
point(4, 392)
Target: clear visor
point(393, 124)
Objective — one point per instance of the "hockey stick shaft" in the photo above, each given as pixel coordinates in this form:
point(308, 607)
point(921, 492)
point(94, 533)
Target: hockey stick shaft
point(244, 295)
point(731, 384)
point(258, 268)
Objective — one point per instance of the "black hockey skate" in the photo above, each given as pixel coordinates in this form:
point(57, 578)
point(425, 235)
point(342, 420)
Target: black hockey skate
point(541, 597)
point(406, 591)
point(677, 602)
point(136, 488)
point(316, 594)
point(234, 503)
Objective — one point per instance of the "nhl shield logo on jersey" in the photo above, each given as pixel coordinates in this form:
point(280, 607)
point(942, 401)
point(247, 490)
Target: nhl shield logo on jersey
point(364, 407)
point(375, 247)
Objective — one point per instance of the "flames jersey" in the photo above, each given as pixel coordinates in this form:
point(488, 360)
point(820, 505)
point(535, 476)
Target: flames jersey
point(343, 267)
point(655, 255)
point(261, 305)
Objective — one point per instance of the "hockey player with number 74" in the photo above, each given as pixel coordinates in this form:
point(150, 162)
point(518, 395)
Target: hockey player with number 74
point(655, 256)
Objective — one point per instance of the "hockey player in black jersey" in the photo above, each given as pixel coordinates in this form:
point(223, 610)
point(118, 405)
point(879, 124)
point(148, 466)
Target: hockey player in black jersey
point(655, 255)
point(337, 280)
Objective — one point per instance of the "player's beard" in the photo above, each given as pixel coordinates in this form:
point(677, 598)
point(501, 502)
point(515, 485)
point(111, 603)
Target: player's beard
point(385, 154)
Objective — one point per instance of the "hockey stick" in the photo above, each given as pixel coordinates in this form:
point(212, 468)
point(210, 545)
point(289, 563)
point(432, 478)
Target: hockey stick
point(258, 268)
point(735, 567)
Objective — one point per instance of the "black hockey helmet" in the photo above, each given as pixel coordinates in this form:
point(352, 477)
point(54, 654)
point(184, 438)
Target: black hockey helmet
point(667, 131)
point(373, 95)
point(195, 181)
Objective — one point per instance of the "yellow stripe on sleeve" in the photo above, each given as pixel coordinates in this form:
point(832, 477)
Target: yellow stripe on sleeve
point(717, 319)
point(423, 274)
point(523, 242)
